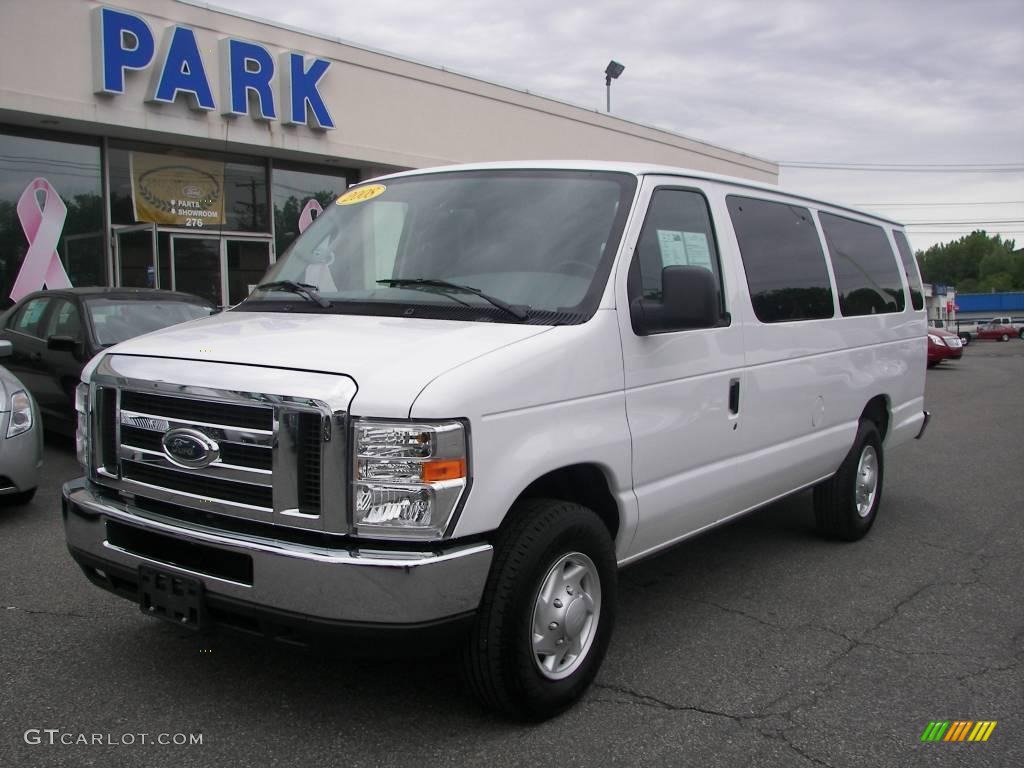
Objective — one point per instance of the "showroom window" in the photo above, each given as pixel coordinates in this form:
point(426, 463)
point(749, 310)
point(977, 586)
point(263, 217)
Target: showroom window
point(51, 201)
point(187, 188)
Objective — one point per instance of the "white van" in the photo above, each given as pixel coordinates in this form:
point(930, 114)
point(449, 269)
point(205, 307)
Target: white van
point(465, 396)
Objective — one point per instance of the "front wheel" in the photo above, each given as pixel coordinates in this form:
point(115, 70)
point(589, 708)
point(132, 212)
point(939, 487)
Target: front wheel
point(845, 505)
point(1005, 337)
point(547, 612)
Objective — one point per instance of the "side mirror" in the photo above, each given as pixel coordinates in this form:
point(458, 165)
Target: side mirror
point(689, 299)
point(62, 344)
point(6, 348)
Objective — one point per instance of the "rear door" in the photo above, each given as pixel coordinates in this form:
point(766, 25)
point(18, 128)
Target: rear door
point(684, 387)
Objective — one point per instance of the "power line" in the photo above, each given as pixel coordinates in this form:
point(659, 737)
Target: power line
point(935, 205)
point(968, 223)
point(904, 168)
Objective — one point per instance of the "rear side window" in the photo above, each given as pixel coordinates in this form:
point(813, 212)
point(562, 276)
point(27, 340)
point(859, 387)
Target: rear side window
point(29, 320)
point(782, 258)
point(867, 275)
point(910, 270)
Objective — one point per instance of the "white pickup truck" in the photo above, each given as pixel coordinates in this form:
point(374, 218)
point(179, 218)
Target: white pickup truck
point(997, 327)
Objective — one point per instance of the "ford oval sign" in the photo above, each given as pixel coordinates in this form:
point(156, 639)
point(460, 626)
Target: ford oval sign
point(190, 448)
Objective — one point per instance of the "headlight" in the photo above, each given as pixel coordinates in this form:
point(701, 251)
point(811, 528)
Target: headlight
point(82, 432)
point(936, 339)
point(21, 414)
point(408, 477)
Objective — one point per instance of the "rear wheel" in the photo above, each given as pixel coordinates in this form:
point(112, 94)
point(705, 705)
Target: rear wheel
point(1005, 337)
point(845, 505)
point(547, 612)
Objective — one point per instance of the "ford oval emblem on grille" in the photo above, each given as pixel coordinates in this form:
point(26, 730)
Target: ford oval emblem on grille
point(190, 448)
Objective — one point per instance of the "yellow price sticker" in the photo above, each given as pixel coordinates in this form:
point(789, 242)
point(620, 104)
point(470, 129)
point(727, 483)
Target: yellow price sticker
point(361, 194)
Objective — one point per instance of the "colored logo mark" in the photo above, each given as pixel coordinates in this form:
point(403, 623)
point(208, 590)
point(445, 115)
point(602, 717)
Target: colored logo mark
point(958, 730)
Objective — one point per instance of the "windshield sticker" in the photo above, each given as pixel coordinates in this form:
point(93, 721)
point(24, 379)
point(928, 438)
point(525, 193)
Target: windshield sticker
point(684, 249)
point(361, 194)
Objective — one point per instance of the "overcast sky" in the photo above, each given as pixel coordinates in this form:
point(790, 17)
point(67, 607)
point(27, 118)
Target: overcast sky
point(919, 82)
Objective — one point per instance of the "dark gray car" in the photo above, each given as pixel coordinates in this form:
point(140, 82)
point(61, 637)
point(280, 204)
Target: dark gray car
point(55, 333)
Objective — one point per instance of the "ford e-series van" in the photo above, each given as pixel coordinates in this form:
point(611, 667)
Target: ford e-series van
point(464, 397)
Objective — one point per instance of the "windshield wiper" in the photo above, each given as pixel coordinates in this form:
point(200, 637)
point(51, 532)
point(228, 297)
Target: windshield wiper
point(428, 282)
point(305, 290)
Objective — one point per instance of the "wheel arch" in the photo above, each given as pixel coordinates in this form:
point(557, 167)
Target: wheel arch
point(585, 484)
point(879, 411)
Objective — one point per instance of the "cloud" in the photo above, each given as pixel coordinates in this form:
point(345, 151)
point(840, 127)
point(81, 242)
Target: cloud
point(916, 81)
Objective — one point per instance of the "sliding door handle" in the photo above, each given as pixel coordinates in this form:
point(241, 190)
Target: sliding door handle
point(734, 396)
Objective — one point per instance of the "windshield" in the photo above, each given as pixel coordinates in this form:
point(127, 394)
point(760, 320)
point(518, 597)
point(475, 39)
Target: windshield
point(538, 240)
point(117, 320)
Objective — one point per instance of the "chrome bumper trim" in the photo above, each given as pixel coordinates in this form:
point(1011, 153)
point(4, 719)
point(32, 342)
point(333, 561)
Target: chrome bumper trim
point(357, 585)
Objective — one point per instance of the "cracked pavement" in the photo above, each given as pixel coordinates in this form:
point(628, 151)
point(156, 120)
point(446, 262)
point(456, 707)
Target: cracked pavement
point(757, 644)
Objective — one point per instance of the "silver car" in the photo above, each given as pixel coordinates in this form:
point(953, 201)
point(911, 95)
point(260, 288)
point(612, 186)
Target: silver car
point(21, 438)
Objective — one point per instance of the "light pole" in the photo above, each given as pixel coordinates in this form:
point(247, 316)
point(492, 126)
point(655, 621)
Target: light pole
point(611, 72)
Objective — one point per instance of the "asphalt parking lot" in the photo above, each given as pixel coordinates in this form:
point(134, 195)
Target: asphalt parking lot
point(757, 644)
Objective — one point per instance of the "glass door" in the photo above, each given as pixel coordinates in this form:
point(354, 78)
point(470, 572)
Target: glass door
point(196, 267)
point(136, 255)
point(247, 262)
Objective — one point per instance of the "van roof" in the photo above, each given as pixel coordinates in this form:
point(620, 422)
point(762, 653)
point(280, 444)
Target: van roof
point(636, 169)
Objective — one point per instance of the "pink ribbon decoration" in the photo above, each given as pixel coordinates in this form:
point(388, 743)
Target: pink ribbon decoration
point(306, 217)
point(42, 227)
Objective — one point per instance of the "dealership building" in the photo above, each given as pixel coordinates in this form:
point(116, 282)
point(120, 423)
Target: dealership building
point(169, 144)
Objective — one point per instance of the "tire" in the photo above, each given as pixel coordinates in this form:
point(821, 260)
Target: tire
point(836, 510)
point(965, 338)
point(18, 499)
point(1005, 337)
point(1021, 334)
point(543, 540)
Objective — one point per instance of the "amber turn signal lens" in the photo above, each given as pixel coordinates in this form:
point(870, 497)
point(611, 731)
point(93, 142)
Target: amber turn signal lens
point(435, 471)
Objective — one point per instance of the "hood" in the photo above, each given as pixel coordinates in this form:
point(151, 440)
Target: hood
point(390, 358)
point(941, 332)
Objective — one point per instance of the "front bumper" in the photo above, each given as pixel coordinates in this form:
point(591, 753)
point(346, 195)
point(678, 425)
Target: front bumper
point(21, 457)
point(259, 580)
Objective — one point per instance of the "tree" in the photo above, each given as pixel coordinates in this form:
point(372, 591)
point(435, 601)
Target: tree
point(975, 263)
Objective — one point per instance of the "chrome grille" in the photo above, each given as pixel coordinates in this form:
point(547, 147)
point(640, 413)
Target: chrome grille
point(271, 449)
point(241, 475)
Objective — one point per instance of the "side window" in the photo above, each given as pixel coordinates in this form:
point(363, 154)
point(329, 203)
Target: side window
point(65, 320)
point(867, 275)
point(677, 232)
point(910, 270)
point(783, 260)
point(28, 320)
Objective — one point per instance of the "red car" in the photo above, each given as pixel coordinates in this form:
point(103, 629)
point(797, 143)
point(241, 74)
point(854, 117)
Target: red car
point(943, 345)
point(997, 331)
